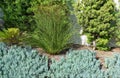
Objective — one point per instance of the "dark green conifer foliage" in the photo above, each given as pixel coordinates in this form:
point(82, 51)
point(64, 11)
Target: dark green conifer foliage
point(97, 17)
point(19, 13)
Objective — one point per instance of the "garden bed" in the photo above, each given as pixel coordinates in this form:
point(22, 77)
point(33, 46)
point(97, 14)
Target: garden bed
point(100, 55)
point(25, 62)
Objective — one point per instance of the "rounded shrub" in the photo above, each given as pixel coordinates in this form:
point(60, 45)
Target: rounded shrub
point(98, 19)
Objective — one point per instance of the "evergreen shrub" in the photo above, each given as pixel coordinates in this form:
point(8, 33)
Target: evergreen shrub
point(16, 14)
point(19, 13)
point(98, 19)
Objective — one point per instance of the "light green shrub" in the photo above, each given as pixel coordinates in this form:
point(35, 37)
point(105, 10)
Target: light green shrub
point(97, 17)
point(102, 44)
point(117, 33)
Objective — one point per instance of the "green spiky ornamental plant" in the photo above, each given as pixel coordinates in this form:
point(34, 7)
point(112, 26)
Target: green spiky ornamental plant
point(97, 17)
point(53, 30)
point(12, 36)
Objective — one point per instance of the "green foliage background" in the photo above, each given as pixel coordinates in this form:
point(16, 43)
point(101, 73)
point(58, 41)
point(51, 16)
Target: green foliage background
point(16, 14)
point(19, 13)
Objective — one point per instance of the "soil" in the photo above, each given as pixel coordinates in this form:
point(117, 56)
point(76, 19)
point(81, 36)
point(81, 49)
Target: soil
point(100, 55)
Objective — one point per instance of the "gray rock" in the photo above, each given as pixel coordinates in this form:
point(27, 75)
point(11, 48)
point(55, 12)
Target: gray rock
point(1, 19)
point(1, 13)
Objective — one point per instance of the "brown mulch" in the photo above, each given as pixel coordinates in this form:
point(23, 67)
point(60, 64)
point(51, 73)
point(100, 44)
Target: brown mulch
point(56, 57)
point(105, 54)
point(100, 55)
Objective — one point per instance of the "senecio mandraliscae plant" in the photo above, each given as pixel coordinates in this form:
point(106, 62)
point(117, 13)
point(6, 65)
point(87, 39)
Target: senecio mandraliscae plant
point(24, 62)
point(27, 63)
point(113, 66)
point(77, 64)
point(18, 62)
